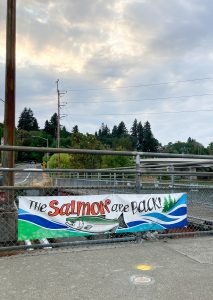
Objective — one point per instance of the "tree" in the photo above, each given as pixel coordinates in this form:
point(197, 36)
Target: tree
point(104, 131)
point(195, 147)
point(52, 125)
point(114, 131)
point(140, 137)
point(85, 141)
point(134, 128)
point(150, 144)
point(168, 203)
point(165, 205)
point(116, 161)
point(27, 121)
point(134, 133)
point(122, 130)
point(104, 135)
point(47, 127)
point(65, 161)
point(189, 147)
point(75, 129)
point(64, 133)
point(210, 148)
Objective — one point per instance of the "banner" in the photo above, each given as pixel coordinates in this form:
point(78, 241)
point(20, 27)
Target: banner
point(65, 216)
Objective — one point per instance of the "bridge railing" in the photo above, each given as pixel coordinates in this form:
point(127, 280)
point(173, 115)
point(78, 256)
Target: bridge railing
point(36, 181)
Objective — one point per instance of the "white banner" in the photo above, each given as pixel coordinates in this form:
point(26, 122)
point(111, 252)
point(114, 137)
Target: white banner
point(63, 216)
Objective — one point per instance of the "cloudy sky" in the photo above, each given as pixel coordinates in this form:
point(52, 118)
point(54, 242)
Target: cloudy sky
point(117, 60)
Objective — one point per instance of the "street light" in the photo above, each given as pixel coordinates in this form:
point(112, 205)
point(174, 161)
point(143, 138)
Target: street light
point(47, 146)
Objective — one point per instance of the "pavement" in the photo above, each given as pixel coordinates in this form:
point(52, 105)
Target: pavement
point(201, 212)
point(169, 269)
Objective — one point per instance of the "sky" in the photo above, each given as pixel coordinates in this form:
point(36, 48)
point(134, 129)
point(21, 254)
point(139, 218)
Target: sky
point(117, 60)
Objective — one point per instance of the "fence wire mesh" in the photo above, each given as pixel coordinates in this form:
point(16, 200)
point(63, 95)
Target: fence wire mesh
point(34, 181)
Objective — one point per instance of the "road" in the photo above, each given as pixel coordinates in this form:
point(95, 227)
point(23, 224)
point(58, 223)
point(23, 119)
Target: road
point(27, 178)
point(177, 269)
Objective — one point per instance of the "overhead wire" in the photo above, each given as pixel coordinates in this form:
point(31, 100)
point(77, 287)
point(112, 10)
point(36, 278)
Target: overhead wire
point(140, 85)
point(143, 99)
point(145, 113)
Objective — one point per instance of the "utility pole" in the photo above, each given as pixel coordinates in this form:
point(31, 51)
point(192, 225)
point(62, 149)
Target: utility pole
point(10, 73)
point(59, 93)
point(58, 123)
point(8, 210)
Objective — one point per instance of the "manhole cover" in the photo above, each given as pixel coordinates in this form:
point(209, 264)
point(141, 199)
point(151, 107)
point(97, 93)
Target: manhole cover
point(141, 280)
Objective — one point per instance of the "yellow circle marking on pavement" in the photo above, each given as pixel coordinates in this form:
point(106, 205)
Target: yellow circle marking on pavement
point(144, 267)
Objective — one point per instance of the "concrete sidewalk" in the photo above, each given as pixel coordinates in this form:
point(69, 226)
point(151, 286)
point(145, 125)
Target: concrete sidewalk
point(179, 269)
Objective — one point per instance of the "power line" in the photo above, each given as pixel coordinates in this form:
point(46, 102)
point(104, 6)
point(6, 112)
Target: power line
point(141, 85)
point(145, 99)
point(147, 113)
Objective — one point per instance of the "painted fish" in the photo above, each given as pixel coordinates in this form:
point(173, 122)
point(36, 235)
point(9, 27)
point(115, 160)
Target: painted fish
point(93, 224)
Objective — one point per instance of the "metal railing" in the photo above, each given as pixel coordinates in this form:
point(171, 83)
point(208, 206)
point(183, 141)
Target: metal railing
point(37, 181)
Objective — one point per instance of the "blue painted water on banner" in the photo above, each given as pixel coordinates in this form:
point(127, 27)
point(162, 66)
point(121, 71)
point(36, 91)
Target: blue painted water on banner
point(41, 221)
point(174, 218)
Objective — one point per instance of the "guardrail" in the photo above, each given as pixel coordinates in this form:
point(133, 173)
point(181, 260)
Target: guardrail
point(124, 180)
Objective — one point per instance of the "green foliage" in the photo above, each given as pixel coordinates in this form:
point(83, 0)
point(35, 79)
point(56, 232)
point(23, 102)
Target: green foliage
point(116, 161)
point(31, 139)
point(134, 134)
point(27, 121)
point(63, 158)
point(122, 130)
point(51, 126)
point(189, 147)
point(150, 144)
point(64, 133)
point(109, 161)
point(210, 149)
point(88, 141)
point(168, 203)
point(75, 129)
point(140, 137)
point(114, 131)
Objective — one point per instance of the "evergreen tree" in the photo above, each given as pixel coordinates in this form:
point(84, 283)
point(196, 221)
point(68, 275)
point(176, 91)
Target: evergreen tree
point(51, 126)
point(210, 148)
point(165, 205)
point(35, 124)
point(104, 131)
point(75, 129)
point(54, 124)
point(134, 129)
point(121, 131)
point(114, 131)
point(27, 121)
point(47, 127)
point(134, 133)
point(64, 133)
point(140, 137)
point(168, 203)
point(150, 144)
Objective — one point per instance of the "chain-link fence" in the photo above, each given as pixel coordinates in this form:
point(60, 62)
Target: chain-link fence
point(32, 180)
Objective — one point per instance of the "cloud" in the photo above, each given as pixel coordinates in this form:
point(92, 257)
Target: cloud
point(99, 46)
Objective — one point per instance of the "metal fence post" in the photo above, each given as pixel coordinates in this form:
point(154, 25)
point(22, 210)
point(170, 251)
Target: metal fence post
point(137, 174)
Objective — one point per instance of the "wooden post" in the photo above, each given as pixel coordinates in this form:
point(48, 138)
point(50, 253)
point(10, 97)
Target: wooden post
point(10, 73)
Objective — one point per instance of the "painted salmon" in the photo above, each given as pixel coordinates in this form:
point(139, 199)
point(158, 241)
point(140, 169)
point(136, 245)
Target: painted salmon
point(93, 224)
